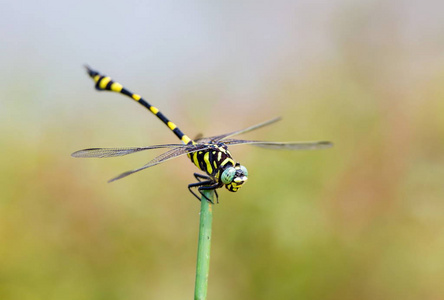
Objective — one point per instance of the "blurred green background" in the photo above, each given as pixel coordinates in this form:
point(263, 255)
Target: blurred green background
point(363, 220)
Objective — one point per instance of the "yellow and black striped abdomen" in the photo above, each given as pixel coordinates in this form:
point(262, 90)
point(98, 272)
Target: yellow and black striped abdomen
point(212, 160)
point(104, 83)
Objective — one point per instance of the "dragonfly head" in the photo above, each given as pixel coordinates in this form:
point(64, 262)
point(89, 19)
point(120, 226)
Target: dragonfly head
point(234, 177)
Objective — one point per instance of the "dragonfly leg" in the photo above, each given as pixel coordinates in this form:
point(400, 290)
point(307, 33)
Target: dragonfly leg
point(199, 185)
point(208, 178)
point(217, 196)
point(208, 188)
point(200, 176)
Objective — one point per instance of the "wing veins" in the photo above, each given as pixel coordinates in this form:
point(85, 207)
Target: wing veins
point(113, 152)
point(170, 154)
point(282, 145)
point(217, 138)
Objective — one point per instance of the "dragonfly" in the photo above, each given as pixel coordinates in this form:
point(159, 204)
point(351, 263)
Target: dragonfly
point(209, 154)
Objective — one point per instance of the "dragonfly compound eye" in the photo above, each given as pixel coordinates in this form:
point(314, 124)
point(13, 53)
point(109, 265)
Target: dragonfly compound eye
point(228, 175)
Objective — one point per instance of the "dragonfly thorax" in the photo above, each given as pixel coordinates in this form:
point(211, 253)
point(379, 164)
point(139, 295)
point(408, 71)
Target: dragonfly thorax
point(234, 177)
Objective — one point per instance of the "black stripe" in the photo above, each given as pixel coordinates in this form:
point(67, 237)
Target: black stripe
point(144, 103)
point(177, 132)
point(108, 85)
point(126, 92)
point(162, 117)
point(91, 72)
point(97, 86)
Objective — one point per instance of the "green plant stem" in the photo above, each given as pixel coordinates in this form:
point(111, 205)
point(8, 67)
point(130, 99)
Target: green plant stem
point(203, 247)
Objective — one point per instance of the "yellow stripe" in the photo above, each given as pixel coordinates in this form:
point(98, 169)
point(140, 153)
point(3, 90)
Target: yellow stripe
point(96, 78)
point(196, 162)
point(227, 160)
point(171, 125)
point(186, 139)
point(207, 161)
point(154, 110)
point(136, 97)
point(116, 87)
point(104, 82)
point(219, 156)
point(214, 164)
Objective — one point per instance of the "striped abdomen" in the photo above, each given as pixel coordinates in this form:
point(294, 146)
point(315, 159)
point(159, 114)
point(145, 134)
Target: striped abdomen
point(104, 83)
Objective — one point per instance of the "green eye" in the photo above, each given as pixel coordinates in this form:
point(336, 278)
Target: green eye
point(228, 175)
point(244, 170)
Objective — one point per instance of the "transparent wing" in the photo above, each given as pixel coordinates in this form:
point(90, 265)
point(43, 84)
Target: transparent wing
point(217, 138)
point(113, 152)
point(170, 154)
point(284, 145)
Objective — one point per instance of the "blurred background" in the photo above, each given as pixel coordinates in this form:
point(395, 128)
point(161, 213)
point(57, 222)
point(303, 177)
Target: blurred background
point(363, 220)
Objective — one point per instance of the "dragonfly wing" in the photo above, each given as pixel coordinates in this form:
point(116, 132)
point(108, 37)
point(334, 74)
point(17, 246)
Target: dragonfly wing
point(217, 138)
point(283, 145)
point(113, 152)
point(170, 154)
